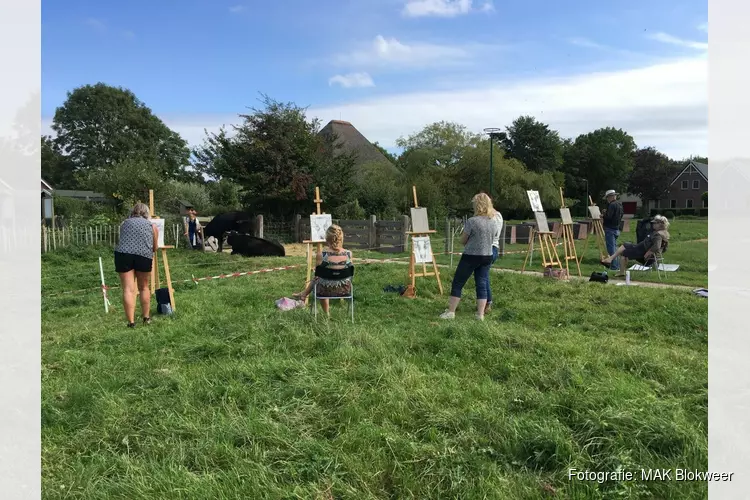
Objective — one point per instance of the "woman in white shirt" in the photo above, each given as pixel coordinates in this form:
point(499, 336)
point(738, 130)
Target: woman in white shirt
point(498, 219)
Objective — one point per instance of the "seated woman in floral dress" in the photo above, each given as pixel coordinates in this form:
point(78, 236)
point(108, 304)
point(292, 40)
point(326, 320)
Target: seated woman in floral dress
point(334, 256)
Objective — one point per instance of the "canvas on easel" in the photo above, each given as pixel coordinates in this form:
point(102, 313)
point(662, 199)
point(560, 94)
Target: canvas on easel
point(419, 220)
point(541, 222)
point(541, 234)
point(535, 201)
point(159, 223)
point(597, 230)
point(421, 250)
point(319, 224)
point(569, 244)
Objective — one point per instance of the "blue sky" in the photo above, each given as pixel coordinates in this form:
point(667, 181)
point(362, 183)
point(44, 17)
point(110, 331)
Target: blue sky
point(393, 66)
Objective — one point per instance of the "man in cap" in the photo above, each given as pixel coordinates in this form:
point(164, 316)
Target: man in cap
point(611, 219)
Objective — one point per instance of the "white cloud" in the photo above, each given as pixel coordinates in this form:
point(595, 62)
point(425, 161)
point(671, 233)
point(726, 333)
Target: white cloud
point(703, 27)
point(437, 8)
point(488, 7)
point(585, 42)
point(392, 53)
point(663, 105)
point(96, 24)
point(236, 9)
point(352, 80)
point(673, 40)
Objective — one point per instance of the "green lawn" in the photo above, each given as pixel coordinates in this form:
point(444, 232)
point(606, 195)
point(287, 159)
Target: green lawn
point(230, 398)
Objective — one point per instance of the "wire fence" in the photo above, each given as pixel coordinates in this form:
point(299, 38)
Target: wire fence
point(100, 235)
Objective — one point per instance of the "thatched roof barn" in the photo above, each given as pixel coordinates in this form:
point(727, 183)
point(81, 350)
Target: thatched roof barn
point(352, 141)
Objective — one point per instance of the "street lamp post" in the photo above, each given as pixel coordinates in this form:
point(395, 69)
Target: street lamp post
point(498, 134)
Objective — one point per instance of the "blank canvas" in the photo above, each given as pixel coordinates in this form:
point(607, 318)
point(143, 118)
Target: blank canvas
point(160, 226)
point(319, 224)
point(422, 249)
point(541, 222)
point(565, 216)
point(419, 221)
point(595, 212)
point(535, 201)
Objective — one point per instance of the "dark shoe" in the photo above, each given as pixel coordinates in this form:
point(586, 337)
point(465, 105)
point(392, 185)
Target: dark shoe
point(488, 308)
point(131, 325)
point(146, 321)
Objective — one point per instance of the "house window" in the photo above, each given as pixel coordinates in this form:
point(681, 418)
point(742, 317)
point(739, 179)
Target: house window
point(684, 184)
point(688, 203)
point(672, 203)
point(696, 184)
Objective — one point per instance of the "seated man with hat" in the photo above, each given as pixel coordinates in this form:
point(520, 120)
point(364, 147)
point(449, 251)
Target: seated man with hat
point(611, 219)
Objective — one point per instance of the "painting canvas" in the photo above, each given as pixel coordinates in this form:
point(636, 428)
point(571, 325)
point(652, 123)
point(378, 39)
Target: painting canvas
point(565, 216)
point(319, 224)
point(595, 212)
point(160, 226)
point(535, 201)
point(422, 250)
point(419, 221)
point(541, 222)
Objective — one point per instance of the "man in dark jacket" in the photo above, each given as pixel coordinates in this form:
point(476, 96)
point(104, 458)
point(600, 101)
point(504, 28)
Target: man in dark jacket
point(611, 219)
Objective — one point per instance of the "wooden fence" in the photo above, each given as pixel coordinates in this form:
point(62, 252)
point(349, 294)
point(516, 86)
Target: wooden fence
point(387, 236)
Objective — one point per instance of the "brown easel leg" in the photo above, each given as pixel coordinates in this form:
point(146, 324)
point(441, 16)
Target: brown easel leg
point(168, 276)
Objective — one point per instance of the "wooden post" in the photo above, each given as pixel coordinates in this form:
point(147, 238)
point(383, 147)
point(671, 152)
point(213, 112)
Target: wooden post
point(44, 238)
point(448, 235)
point(259, 226)
point(501, 250)
point(405, 233)
point(372, 239)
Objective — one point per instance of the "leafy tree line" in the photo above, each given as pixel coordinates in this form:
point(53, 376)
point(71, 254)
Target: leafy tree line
point(107, 140)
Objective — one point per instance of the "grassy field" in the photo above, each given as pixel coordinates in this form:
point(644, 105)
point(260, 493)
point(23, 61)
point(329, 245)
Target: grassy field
point(230, 398)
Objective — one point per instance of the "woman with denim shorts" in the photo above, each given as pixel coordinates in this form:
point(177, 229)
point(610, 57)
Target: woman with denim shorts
point(478, 236)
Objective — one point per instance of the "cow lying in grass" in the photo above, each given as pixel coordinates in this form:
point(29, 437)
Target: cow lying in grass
point(250, 246)
point(241, 222)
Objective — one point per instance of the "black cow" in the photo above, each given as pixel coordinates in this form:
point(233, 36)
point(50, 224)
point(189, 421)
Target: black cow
point(241, 222)
point(250, 246)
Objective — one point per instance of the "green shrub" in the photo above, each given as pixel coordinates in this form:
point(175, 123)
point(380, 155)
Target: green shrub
point(669, 214)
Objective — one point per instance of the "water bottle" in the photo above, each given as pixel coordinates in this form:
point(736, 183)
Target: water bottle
point(627, 277)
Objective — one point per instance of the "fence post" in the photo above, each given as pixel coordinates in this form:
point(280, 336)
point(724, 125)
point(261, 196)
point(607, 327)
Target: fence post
point(372, 239)
point(501, 250)
point(259, 226)
point(447, 235)
point(295, 227)
point(404, 230)
point(44, 237)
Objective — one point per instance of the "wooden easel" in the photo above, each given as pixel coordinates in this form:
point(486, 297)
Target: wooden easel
point(598, 235)
point(410, 291)
point(155, 279)
point(569, 242)
point(547, 249)
point(309, 243)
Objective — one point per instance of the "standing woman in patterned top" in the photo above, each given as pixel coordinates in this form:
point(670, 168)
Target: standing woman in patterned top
point(133, 259)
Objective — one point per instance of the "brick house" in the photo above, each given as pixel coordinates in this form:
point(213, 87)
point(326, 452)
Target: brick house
point(686, 189)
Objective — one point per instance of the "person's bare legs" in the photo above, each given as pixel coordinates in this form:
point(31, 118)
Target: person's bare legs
point(303, 294)
point(612, 257)
point(326, 306)
point(127, 283)
point(453, 303)
point(145, 293)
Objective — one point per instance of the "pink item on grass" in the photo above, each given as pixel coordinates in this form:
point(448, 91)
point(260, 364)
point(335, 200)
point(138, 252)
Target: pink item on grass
point(287, 304)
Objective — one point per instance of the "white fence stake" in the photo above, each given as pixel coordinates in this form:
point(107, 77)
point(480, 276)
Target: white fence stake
point(104, 287)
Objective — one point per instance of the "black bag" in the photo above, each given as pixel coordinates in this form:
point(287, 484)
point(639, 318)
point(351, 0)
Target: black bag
point(642, 229)
point(599, 277)
point(163, 304)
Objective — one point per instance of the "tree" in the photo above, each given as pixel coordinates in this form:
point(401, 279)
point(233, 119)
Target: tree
point(651, 175)
point(534, 144)
point(704, 197)
point(57, 169)
point(599, 160)
point(99, 126)
point(128, 181)
point(278, 157)
point(391, 158)
point(442, 142)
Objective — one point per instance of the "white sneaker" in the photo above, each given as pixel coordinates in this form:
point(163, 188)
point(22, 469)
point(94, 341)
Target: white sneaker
point(448, 315)
point(480, 318)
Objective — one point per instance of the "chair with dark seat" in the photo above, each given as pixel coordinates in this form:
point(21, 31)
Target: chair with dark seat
point(334, 273)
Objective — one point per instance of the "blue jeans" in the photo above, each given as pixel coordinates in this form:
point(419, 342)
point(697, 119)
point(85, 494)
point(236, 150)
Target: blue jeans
point(479, 265)
point(489, 289)
point(610, 237)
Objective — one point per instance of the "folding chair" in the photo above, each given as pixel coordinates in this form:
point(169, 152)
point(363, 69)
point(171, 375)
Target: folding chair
point(658, 263)
point(334, 273)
